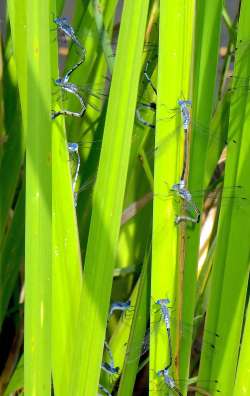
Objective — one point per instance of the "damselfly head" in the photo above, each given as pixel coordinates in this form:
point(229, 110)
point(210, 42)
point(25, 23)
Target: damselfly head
point(59, 81)
point(163, 301)
point(167, 378)
point(61, 21)
point(73, 147)
point(176, 187)
point(119, 306)
point(183, 103)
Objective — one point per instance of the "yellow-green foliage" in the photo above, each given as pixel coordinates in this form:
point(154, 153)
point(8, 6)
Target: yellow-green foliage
point(62, 266)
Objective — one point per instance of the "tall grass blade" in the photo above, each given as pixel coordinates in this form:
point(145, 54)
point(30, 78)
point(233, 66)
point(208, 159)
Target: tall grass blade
point(107, 201)
point(15, 72)
point(137, 332)
point(207, 33)
point(231, 265)
point(242, 382)
point(67, 267)
point(37, 359)
point(166, 277)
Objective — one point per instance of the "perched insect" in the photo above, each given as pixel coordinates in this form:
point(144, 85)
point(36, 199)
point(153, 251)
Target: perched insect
point(104, 390)
point(119, 306)
point(73, 89)
point(166, 317)
point(233, 195)
point(162, 382)
point(64, 25)
point(201, 338)
point(169, 381)
point(109, 369)
point(79, 92)
point(185, 113)
point(146, 75)
point(216, 135)
point(73, 148)
point(186, 119)
point(111, 364)
point(112, 372)
point(145, 106)
point(184, 194)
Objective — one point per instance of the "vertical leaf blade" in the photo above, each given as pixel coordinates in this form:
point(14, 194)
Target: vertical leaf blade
point(37, 359)
point(231, 265)
point(107, 201)
point(175, 44)
point(208, 22)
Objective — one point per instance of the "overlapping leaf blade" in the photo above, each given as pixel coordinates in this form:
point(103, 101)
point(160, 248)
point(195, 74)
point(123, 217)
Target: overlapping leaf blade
point(107, 201)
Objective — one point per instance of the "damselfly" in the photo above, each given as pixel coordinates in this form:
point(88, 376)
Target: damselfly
point(103, 390)
point(74, 149)
point(169, 381)
point(201, 338)
point(109, 367)
point(163, 303)
point(64, 25)
point(234, 195)
point(190, 204)
point(171, 386)
point(124, 307)
point(90, 93)
point(141, 108)
point(72, 89)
